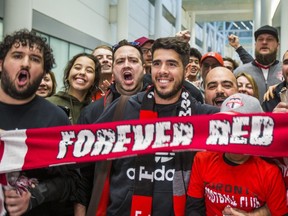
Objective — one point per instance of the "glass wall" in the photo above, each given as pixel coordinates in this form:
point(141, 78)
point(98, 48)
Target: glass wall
point(63, 51)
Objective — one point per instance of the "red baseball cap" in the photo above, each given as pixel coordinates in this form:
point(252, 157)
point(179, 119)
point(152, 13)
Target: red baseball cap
point(143, 40)
point(214, 55)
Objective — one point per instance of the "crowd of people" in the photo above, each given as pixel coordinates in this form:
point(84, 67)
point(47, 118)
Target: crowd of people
point(145, 79)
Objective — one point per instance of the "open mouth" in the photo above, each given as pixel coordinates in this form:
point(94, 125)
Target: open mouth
point(194, 69)
point(23, 77)
point(128, 76)
point(218, 101)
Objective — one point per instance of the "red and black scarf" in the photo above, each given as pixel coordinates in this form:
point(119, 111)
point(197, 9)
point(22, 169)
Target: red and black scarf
point(143, 190)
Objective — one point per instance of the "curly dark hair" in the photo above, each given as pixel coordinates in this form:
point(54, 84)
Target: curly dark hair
point(70, 64)
point(25, 37)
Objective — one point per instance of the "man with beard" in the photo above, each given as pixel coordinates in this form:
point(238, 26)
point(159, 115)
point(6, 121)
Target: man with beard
point(146, 44)
point(220, 83)
point(142, 190)
point(24, 60)
point(128, 72)
point(265, 69)
point(215, 177)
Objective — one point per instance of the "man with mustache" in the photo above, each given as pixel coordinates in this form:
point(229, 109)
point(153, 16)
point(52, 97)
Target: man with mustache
point(25, 58)
point(128, 72)
point(213, 192)
point(265, 69)
point(146, 45)
point(219, 83)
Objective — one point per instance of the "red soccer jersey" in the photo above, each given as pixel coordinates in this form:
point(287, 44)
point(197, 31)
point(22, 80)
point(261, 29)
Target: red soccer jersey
point(247, 186)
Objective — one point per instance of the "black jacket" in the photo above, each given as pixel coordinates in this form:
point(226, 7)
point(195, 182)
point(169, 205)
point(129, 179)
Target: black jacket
point(120, 196)
point(268, 106)
point(244, 55)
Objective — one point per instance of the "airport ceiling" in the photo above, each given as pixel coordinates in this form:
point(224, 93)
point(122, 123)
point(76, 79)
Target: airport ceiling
point(220, 10)
point(238, 14)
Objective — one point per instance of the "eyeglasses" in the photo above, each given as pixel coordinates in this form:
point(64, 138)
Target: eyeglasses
point(132, 43)
point(146, 50)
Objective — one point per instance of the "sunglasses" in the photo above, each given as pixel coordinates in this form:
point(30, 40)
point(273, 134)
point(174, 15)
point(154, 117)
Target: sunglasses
point(132, 43)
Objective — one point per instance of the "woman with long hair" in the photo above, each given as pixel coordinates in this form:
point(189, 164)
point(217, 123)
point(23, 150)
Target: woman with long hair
point(81, 80)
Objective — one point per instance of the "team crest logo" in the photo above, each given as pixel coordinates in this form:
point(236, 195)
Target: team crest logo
point(234, 103)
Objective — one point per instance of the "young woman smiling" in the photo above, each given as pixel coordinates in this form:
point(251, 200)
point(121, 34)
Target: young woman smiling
point(81, 79)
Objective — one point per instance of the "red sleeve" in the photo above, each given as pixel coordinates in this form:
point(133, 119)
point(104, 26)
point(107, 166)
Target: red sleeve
point(196, 183)
point(276, 192)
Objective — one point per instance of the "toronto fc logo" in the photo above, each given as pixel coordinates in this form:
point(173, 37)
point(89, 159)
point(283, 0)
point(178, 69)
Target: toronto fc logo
point(234, 103)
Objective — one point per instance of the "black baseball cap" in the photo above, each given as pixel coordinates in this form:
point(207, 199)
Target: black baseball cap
point(266, 30)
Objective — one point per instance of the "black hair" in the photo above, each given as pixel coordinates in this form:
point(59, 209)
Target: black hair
point(195, 53)
point(70, 64)
point(176, 43)
point(25, 37)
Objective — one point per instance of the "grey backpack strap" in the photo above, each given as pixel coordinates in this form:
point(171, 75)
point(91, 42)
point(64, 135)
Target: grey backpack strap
point(102, 168)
